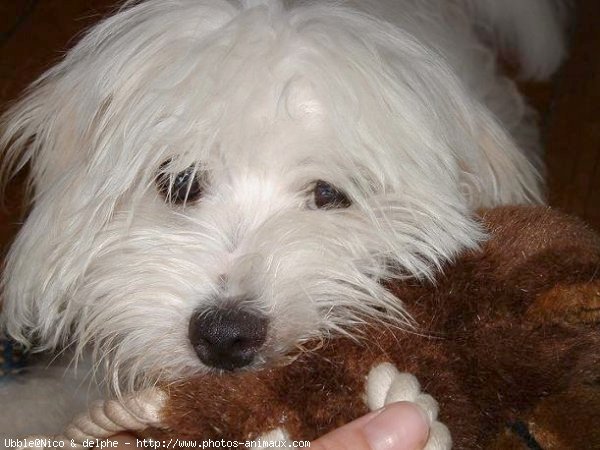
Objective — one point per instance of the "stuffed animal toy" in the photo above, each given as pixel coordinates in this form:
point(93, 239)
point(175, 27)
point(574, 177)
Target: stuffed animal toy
point(507, 340)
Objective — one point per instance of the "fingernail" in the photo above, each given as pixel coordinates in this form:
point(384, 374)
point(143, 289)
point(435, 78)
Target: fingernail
point(400, 426)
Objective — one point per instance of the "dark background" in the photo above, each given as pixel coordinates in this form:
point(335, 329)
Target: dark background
point(35, 33)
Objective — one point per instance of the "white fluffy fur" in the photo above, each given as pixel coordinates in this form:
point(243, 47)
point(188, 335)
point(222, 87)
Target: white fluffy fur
point(398, 103)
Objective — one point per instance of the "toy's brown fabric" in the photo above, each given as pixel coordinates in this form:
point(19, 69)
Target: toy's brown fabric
point(508, 343)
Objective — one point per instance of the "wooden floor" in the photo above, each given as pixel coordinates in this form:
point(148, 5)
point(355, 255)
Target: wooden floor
point(34, 34)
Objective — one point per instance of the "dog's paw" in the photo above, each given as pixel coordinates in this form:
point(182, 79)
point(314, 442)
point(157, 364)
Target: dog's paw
point(385, 384)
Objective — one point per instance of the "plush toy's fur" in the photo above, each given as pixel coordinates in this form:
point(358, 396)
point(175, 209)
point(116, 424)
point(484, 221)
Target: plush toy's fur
point(507, 341)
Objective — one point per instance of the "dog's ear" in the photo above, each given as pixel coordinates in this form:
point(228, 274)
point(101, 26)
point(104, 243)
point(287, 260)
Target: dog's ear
point(23, 129)
point(49, 131)
point(500, 171)
point(45, 130)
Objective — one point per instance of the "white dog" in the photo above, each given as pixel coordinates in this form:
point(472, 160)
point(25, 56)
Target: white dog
point(214, 183)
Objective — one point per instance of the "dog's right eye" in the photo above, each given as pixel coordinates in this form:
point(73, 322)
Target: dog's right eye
point(180, 188)
point(327, 196)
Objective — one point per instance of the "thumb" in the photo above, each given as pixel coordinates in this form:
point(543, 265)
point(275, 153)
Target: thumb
point(397, 426)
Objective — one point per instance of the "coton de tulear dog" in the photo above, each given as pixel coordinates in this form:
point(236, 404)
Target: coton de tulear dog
point(215, 182)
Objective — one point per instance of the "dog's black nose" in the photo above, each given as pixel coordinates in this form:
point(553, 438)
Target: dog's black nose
point(227, 338)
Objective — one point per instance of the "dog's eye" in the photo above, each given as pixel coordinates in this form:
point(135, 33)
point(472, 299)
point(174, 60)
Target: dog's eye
point(178, 188)
point(327, 196)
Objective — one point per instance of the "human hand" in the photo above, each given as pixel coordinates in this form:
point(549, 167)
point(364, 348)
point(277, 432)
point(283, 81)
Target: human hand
point(397, 426)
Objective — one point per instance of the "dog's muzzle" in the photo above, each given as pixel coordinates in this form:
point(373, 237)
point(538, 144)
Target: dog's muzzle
point(227, 338)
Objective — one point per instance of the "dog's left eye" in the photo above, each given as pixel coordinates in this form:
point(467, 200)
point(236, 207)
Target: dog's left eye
point(327, 196)
point(182, 187)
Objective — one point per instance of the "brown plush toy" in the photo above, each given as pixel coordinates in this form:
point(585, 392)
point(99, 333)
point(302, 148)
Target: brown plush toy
point(508, 343)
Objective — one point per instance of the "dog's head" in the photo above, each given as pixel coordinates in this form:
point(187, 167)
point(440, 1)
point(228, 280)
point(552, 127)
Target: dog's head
point(213, 184)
